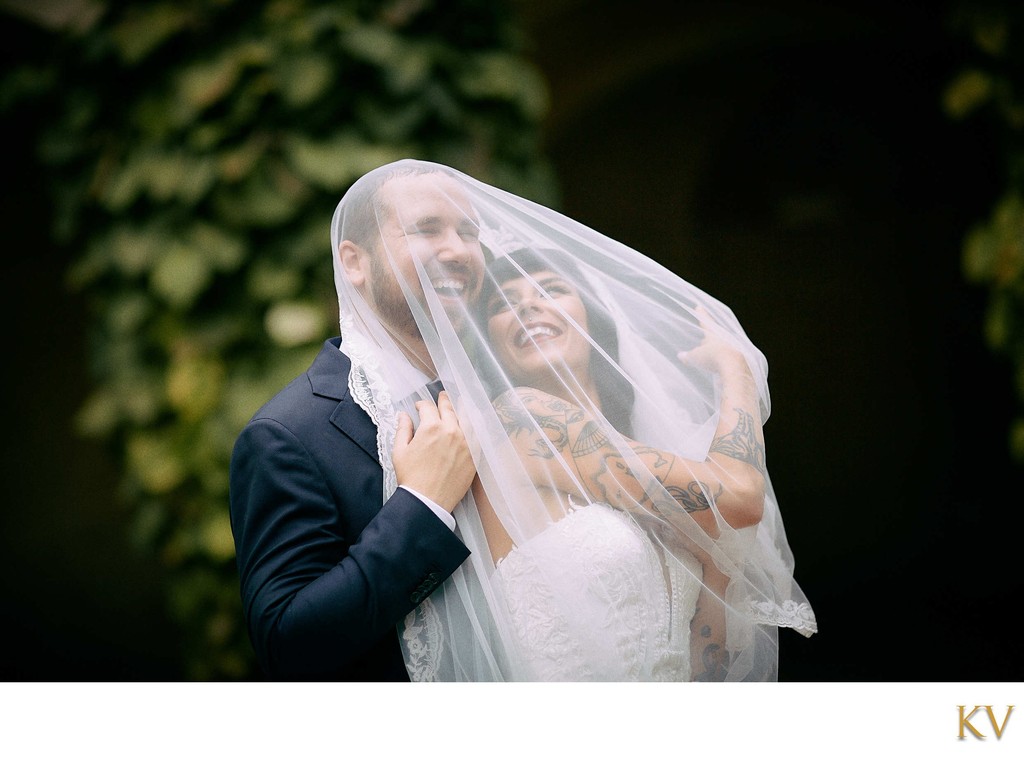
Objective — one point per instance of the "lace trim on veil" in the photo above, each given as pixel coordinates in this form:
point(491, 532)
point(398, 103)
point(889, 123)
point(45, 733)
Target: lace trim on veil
point(421, 631)
point(790, 614)
point(422, 636)
point(371, 393)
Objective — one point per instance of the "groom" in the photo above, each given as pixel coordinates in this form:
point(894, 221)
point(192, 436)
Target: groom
point(328, 569)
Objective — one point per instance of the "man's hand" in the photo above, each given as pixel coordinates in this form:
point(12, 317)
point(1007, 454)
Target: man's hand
point(435, 459)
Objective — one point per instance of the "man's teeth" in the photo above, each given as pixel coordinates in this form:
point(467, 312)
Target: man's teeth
point(535, 331)
point(449, 284)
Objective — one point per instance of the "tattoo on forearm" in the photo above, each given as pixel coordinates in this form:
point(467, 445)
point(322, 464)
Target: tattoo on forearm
point(661, 466)
point(694, 497)
point(742, 443)
point(565, 428)
point(619, 486)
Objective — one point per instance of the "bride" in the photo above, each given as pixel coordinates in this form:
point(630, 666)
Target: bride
point(632, 612)
point(622, 524)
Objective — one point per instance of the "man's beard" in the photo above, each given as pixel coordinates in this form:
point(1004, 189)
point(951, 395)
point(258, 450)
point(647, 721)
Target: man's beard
point(392, 307)
point(389, 302)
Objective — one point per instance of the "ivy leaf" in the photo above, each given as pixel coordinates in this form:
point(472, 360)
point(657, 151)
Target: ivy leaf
point(504, 77)
point(979, 254)
point(405, 65)
point(152, 459)
point(967, 93)
point(290, 324)
point(998, 321)
point(303, 79)
point(141, 31)
point(181, 275)
point(1017, 431)
point(203, 84)
point(216, 539)
point(335, 163)
point(99, 415)
point(128, 312)
point(266, 199)
point(267, 281)
point(194, 384)
point(224, 251)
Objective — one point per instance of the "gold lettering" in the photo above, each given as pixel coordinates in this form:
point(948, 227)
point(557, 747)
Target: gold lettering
point(966, 721)
point(992, 719)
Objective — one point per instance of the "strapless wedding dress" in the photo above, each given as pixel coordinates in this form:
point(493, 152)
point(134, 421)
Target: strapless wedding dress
point(592, 599)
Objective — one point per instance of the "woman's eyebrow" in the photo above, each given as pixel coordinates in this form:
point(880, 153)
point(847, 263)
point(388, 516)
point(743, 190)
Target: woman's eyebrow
point(545, 282)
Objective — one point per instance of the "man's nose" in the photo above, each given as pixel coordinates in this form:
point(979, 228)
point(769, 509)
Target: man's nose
point(454, 248)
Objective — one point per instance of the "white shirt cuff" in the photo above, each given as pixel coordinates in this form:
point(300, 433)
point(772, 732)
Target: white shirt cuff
point(444, 516)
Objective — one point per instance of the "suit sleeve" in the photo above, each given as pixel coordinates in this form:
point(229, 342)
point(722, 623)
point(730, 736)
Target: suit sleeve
point(314, 600)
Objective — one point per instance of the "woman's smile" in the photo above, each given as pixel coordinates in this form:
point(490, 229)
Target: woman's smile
point(536, 333)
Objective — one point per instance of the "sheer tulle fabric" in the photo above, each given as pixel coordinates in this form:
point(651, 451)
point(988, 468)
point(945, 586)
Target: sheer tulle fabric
point(614, 474)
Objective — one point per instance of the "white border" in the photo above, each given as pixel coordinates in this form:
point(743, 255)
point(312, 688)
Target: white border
point(526, 723)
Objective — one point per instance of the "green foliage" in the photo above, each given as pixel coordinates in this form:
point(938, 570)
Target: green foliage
point(991, 87)
point(196, 151)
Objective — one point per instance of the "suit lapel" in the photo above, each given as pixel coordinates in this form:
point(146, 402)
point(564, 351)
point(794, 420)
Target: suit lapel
point(328, 377)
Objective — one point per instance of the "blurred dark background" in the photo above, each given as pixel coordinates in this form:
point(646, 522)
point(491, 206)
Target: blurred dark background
point(791, 159)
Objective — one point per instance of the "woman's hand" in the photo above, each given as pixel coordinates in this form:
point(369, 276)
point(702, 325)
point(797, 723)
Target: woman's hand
point(714, 353)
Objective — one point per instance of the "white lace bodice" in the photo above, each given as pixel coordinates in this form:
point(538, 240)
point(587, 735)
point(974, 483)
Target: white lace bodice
point(591, 599)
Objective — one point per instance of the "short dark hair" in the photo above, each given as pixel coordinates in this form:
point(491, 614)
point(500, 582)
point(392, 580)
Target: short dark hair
point(365, 205)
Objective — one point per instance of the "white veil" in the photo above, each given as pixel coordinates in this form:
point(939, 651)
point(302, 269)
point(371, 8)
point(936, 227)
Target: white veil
point(623, 526)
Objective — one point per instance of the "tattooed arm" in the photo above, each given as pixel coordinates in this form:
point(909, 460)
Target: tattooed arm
point(546, 429)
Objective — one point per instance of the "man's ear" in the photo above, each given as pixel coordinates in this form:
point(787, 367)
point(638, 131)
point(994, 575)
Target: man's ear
point(355, 262)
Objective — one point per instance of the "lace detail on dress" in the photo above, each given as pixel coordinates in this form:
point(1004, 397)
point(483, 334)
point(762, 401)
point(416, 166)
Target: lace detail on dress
point(790, 614)
point(588, 601)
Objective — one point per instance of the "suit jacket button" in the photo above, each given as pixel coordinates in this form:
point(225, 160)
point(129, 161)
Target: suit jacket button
point(428, 584)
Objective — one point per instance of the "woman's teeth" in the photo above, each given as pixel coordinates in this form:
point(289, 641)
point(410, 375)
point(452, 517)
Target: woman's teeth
point(531, 333)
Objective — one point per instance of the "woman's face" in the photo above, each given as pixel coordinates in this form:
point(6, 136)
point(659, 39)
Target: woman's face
point(530, 331)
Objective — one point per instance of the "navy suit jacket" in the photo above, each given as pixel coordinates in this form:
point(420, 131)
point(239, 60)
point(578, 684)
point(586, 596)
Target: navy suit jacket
point(327, 568)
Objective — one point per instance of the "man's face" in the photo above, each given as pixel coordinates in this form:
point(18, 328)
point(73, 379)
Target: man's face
point(427, 220)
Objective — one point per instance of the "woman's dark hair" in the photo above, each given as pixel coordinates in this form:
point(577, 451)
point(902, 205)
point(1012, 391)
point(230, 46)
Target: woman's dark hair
point(615, 392)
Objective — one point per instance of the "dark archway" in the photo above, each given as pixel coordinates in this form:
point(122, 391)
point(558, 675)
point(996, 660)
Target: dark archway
point(810, 180)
